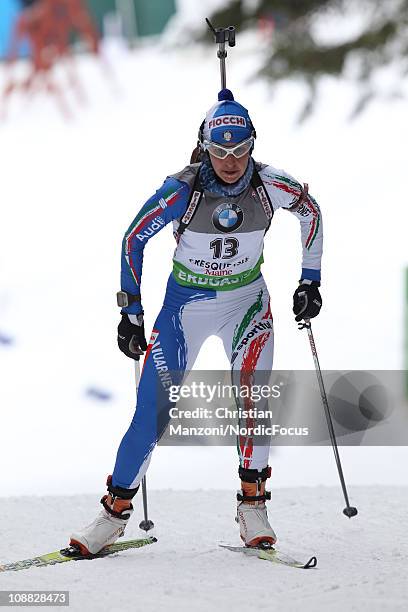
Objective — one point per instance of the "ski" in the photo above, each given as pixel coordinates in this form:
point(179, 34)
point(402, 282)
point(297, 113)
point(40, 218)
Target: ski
point(273, 555)
point(72, 554)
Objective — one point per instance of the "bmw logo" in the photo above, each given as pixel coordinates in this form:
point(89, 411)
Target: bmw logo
point(227, 217)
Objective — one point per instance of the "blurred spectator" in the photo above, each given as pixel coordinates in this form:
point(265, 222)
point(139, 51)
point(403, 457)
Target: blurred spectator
point(49, 26)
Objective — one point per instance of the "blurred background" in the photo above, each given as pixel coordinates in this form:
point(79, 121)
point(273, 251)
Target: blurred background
point(100, 100)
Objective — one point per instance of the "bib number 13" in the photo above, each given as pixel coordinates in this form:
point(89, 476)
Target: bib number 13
point(224, 248)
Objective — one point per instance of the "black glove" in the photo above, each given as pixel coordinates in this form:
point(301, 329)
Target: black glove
point(131, 337)
point(307, 301)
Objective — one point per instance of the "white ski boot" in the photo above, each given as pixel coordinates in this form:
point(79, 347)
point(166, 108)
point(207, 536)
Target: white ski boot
point(110, 523)
point(252, 517)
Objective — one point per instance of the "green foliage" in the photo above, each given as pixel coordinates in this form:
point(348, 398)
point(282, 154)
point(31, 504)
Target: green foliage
point(295, 49)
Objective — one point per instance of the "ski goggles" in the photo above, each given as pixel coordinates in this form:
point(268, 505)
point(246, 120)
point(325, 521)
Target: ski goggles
point(221, 152)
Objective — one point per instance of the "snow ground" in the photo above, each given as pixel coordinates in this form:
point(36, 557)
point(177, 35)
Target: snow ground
point(361, 561)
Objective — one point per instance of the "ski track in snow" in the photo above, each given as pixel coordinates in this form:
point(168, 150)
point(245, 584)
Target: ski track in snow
point(361, 562)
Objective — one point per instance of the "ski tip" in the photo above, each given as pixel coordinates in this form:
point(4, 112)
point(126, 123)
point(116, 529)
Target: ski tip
point(311, 563)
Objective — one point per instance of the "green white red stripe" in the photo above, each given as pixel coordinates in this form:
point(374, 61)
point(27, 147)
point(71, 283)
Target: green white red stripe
point(314, 225)
point(147, 214)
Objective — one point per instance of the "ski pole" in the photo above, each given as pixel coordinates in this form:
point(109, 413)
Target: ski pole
point(146, 524)
point(222, 36)
point(348, 510)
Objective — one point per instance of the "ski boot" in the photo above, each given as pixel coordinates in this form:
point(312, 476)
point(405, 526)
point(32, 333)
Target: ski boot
point(110, 523)
point(252, 517)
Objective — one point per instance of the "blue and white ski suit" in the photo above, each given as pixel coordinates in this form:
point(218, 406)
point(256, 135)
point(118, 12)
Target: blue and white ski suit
point(215, 288)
